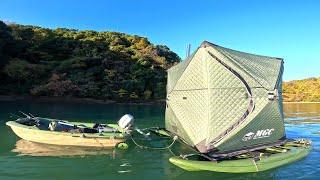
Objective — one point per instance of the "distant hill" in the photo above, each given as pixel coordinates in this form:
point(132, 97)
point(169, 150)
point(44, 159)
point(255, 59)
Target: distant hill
point(102, 65)
point(67, 62)
point(307, 90)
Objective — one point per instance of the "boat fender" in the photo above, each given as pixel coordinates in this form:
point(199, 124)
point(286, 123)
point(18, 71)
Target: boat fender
point(122, 146)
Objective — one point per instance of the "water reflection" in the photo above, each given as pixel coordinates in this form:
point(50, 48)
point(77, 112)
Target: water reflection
point(302, 113)
point(27, 148)
point(133, 163)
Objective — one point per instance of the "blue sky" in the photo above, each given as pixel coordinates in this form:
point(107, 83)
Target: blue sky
point(288, 28)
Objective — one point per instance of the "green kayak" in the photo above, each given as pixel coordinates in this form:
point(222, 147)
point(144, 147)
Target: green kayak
point(66, 133)
point(268, 158)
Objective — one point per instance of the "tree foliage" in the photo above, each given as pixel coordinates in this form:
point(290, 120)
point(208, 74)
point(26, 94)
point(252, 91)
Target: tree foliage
point(59, 62)
point(307, 90)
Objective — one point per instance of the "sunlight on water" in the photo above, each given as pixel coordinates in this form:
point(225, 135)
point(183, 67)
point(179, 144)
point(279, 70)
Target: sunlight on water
point(20, 159)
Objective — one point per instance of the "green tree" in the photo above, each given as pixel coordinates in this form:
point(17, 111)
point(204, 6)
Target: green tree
point(17, 70)
point(6, 42)
point(87, 63)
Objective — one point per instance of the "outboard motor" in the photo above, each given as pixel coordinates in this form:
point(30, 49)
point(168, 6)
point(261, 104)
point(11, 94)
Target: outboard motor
point(126, 121)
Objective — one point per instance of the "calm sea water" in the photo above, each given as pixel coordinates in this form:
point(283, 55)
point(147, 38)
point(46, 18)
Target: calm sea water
point(25, 160)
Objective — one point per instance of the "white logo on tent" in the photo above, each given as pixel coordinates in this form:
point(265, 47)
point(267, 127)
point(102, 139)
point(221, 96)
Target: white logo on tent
point(257, 135)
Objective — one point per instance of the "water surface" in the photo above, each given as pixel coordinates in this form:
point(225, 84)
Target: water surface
point(20, 159)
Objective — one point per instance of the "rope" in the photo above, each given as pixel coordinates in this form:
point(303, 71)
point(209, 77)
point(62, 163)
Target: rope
point(254, 162)
point(154, 148)
point(198, 154)
point(185, 156)
point(172, 152)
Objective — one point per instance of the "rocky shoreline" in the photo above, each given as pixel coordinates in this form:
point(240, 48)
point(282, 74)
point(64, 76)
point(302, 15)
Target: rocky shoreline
point(96, 101)
point(76, 100)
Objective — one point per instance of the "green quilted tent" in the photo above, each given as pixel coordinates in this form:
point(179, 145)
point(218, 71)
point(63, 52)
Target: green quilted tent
point(224, 100)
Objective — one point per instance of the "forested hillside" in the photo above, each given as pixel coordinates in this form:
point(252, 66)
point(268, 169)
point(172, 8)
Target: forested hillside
point(307, 90)
point(102, 65)
point(67, 62)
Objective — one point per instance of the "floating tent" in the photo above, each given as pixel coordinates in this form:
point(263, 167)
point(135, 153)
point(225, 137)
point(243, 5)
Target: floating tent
point(223, 100)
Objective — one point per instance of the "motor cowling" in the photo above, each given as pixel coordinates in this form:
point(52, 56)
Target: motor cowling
point(126, 121)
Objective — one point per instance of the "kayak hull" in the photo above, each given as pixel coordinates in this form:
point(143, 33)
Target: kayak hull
point(31, 133)
point(244, 165)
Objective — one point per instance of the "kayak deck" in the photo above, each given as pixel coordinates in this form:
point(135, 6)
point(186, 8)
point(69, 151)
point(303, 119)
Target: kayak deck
point(291, 152)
